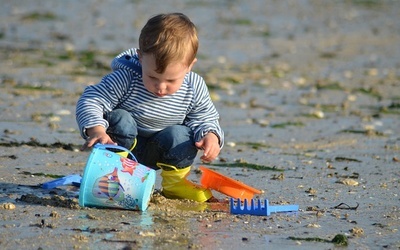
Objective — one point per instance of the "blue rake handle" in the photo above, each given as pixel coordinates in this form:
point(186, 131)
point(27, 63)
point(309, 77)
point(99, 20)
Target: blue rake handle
point(66, 180)
point(257, 208)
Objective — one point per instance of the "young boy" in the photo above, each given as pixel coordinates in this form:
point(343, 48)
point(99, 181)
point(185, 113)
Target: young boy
point(154, 105)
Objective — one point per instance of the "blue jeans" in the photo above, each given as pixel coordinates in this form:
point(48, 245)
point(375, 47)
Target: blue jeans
point(174, 145)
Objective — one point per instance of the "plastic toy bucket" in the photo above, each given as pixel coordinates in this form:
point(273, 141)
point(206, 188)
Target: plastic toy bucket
point(110, 180)
point(223, 184)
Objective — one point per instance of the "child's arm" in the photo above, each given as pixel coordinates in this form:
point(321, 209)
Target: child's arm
point(95, 101)
point(203, 120)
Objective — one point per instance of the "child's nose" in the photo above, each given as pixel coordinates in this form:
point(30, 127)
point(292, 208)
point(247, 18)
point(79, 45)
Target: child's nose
point(161, 86)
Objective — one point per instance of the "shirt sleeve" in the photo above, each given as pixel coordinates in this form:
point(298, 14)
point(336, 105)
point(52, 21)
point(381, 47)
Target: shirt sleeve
point(99, 99)
point(203, 118)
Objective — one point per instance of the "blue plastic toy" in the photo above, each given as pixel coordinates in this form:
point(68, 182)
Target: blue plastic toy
point(66, 180)
point(259, 208)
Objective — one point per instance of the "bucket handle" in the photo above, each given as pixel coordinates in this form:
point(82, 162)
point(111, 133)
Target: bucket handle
point(107, 146)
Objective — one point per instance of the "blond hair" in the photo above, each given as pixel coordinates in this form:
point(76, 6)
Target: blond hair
point(169, 38)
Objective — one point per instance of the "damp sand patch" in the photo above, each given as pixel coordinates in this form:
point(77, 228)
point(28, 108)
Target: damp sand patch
point(54, 201)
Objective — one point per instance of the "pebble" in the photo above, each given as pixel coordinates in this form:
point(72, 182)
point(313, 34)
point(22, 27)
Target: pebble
point(357, 231)
point(313, 225)
point(349, 182)
point(8, 206)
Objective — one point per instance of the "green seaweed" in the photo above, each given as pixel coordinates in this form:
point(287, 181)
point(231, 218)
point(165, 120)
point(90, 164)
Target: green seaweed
point(30, 87)
point(43, 115)
point(365, 132)
point(367, 3)
point(310, 115)
point(339, 239)
point(254, 145)
point(65, 56)
point(394, 105)
point(45, 62)
point(312, 239)
point(265, 33)
point(37, 16)
point(330, 86)
point(390, 112)
point(327, 55)
point(232, 79)
point(370, 91)
point(238, 21)
point(330, 108)
point(55, 176)
point(246, 165)
point(326, 107)
point(34, 143)
point(353, 131)
point(393, 108)
point(285, 124)
point(346, 159)
point(212, 87)
point(87, 57)
point(278, 73)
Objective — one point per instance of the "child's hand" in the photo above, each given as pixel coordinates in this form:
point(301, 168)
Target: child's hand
point(96, 135)
point(210, 145)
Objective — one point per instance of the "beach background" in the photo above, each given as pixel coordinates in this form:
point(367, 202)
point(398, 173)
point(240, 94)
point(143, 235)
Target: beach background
point(309, 98)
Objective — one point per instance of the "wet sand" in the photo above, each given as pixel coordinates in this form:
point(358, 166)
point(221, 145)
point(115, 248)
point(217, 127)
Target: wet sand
point(310, 88)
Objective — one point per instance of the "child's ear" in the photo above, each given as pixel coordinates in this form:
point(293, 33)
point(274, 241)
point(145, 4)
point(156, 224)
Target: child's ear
point(192, 64)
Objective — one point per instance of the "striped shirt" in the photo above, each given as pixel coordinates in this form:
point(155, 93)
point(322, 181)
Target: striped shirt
point(191, 105)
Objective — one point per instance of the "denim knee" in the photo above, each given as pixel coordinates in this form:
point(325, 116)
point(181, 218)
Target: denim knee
point(122, 127)
point(174, 136)
point(174, 146)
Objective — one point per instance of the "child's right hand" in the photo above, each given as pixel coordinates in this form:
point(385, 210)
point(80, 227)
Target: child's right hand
point(96, 135)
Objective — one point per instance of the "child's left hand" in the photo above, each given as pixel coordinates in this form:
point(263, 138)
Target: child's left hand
point(210, 145)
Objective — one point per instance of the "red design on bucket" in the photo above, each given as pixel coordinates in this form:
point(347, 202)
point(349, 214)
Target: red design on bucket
point(128, 165)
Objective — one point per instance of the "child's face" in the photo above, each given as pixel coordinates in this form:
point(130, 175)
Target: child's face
point(165, 83)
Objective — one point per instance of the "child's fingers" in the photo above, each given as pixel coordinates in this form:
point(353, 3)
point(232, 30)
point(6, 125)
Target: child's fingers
point(91, 141)
point(209, 155)
point(88, 143)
